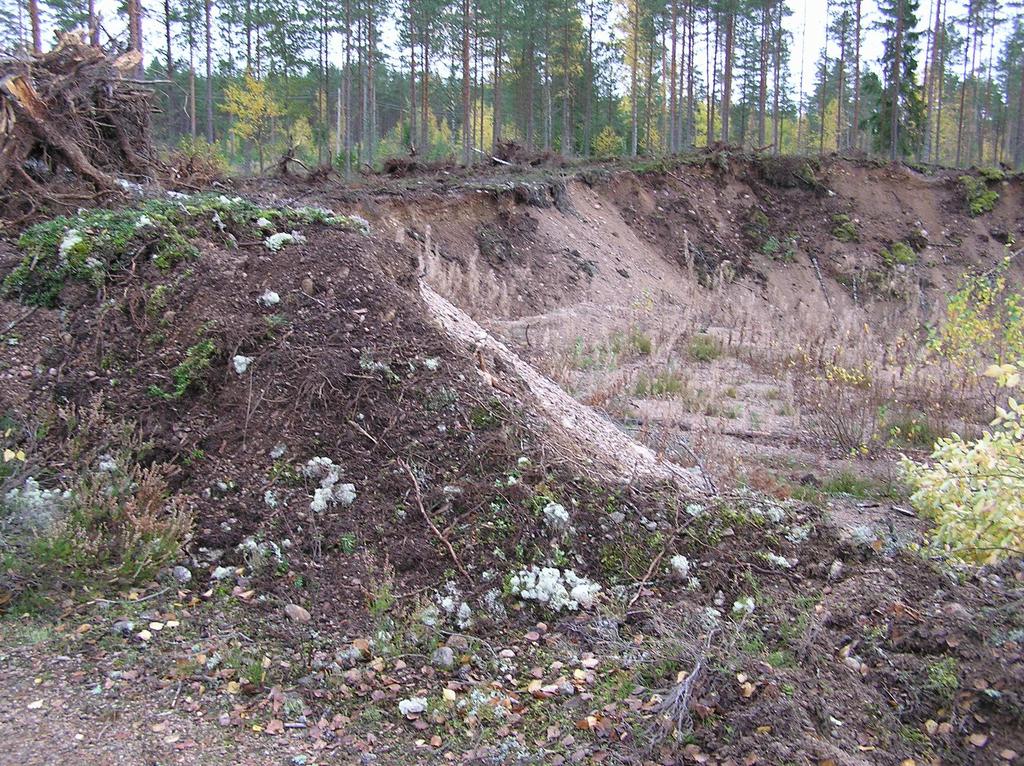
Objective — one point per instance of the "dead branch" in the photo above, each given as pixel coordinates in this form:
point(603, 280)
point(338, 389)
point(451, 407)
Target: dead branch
point(430, 523)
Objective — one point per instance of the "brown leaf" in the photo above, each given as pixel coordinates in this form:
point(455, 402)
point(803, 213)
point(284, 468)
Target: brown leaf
point(274, 727)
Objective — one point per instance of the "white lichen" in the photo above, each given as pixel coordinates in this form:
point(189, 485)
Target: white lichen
point(72, 238)
point(33, 508)
point(743, 606)
point(695, 510)
point(432, 363)
point(680, 566)
point(106, 464)
point(331, 491)
point(241, 363)
point(554, 588)
point(270, 499)
point(779, 561)
point(264, 223)
point(276, 241)
point(269, 298)
point(556, 518)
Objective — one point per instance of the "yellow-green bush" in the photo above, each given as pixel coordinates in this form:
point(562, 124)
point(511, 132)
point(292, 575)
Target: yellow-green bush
point(974, 489)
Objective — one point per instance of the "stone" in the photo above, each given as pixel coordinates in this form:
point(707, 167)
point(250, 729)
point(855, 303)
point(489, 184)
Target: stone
point(181, 574)
point(307, 286)
point(443, 658)
point(458, 642)
point(617, 517)
point(412, 706)
point(297, 613)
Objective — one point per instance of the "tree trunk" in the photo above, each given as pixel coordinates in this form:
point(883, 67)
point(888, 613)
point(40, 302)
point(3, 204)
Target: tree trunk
point(94, 24)
point(941, 97)
point(896, 78)
point(208, 19)
point(346, 84)
point(673, 138)
point(567, 137)
point(172, 110)
point(425, 90)
point(727, 65)
point(777, 80)
point(413, 104)
point(588, 83)
point(634, 114)
point(840, 83)
point(134, 30)
point(856, 75)
point(762, 85)
point(497, 85)
point(466, 129)
point(963, 84)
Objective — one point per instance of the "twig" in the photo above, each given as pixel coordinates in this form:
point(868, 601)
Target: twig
point(430, 523)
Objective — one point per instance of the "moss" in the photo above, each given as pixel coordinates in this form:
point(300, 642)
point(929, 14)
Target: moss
point(157, 300)
point(992, 175)
point(93, 244)
point(979, 197)
point(899, 254)
point(844, 229)
point(190, 370)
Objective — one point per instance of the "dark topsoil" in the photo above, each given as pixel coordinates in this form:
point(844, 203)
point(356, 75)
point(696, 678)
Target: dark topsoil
point(847, 657)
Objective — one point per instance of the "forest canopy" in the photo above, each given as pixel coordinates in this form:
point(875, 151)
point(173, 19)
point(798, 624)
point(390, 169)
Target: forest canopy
point(354, 82)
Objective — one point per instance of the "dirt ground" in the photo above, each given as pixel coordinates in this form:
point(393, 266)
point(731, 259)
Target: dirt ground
point(681, 302)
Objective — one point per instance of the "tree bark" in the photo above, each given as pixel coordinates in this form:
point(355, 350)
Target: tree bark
point(467, 140)
point(896, 80)
point(727, 65)
point(208, 14)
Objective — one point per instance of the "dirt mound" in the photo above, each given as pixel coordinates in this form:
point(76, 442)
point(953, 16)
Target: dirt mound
point(344, 453)
point(73, 128)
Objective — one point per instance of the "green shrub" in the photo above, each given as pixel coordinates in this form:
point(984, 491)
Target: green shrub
point(844, 229)
point(108, 524)
point(705, 348)
point(974, 490)
point(900, 254)
point(189, 371)
point(666, 384)
point(980, 199)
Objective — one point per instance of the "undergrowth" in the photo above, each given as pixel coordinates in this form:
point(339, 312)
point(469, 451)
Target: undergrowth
point(92, 517)
point(91, 245)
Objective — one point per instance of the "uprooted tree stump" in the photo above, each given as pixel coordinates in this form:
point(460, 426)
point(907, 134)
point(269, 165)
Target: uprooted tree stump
point(73, 128)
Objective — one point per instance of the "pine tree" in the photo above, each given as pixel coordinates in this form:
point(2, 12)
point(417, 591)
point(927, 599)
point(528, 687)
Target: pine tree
point(900, 115)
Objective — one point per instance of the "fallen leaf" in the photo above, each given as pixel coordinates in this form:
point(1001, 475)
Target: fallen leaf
point(275, 726)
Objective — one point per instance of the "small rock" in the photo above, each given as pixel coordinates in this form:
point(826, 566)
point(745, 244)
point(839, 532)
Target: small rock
point(412, 706)
point(458, 642)
point(617, 517)
point(123, 628)
point(181, 574)
point(297, 613)
point(307, 286)
point(836, 570)
point(957, 610)
point(443, 658)
point(222, 573)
